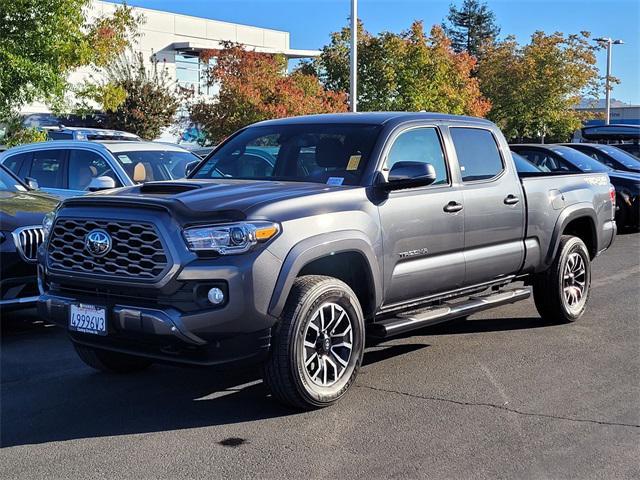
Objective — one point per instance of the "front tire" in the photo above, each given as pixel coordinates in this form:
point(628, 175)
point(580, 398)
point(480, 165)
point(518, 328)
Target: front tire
point(561, 293)
point(318, 345)
point(112, 362)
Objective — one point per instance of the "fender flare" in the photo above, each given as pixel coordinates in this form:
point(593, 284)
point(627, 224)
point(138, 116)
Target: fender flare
point(320, 246)
point(569, 214)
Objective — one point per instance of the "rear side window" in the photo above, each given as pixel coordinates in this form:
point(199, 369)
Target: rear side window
point(46, 168)
point(14, 162)
point(420, 145)
point(477, 152)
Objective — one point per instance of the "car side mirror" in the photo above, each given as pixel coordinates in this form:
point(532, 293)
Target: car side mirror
point(101, 183)
point(191, 166)
point(32, 183)
point(410, 174)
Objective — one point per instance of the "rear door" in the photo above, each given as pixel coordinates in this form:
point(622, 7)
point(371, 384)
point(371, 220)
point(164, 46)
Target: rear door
point(494, 218)
point(423, 227)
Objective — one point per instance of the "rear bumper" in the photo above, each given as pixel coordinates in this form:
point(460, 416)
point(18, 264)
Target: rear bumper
point(161, 334)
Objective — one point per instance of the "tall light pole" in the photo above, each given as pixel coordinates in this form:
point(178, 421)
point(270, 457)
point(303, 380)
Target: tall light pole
point(609, 41)
point(353, 67)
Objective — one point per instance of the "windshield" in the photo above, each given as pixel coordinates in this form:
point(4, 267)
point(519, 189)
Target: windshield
point(153, 165)
point(8, 182)
point(335, 154)
point(579, 160)
point(523, 165)
point(621, 156)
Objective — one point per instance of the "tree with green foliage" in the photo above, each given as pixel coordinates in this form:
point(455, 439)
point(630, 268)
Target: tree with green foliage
point(471, 26)
point(410, 71)
point(534, 88)
point(136, 96)
point(41, 42)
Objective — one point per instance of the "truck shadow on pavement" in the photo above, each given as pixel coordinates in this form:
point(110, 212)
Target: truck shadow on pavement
point(49, 395)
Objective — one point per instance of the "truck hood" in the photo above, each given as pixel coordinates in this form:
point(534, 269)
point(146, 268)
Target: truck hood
point(231, 198)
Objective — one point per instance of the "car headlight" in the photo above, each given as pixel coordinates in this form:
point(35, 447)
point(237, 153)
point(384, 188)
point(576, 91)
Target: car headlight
point(47, 223)
point(230, 238)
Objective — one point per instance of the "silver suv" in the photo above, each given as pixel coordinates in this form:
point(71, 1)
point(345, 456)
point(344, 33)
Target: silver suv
point(68, 168)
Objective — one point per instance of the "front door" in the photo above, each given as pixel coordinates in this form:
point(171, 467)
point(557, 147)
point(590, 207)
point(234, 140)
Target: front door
point(423, 227)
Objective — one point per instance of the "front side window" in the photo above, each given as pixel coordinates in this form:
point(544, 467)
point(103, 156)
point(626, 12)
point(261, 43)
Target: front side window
point(420, 145)
point(84, 166)
point(46, 168)
point(478, 154)
point(321, 153)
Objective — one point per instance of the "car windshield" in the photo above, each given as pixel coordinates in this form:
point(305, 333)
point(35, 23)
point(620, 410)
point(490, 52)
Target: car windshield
point(621, 156)
point(579, 160)
point(335, 154)
point(9, 183)
point(151, 165)
point(523, 165)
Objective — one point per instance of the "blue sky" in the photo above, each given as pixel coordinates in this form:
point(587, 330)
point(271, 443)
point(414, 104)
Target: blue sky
point(311, 21)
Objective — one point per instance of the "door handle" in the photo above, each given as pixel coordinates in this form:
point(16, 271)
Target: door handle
point(452, 207)
point(511, 200)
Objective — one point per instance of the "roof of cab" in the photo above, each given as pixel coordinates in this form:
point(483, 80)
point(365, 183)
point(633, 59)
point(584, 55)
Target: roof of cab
point(374, 118)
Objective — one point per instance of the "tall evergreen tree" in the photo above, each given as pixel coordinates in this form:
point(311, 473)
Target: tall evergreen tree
point(470, 26)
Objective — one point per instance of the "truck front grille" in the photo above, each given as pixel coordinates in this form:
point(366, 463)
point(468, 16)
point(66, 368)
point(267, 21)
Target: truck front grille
point(136, 249)
point(27, 240)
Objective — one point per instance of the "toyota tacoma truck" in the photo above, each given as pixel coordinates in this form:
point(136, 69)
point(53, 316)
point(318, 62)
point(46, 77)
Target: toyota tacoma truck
point(296, 239)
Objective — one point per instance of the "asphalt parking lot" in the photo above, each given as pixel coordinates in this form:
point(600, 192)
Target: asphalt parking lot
point(499, 396)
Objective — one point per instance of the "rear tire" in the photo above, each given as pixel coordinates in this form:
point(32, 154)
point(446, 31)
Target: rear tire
point(318, 345)
point(561, 293)
point(112, 362)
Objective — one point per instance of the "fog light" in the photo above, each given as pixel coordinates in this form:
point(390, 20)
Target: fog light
point(215, 296)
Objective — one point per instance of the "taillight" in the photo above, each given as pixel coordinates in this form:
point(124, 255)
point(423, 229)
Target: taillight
point(612, 196)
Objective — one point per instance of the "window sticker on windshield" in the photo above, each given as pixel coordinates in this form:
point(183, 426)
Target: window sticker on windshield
point(354, 161)
point(124, 158)
point(335, 181)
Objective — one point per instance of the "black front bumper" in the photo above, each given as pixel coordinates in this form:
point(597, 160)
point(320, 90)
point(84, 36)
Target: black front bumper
point(18, 284)
point(159, 334)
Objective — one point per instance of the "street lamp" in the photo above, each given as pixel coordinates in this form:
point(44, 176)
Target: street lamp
point(609, 41)
point(353, 60)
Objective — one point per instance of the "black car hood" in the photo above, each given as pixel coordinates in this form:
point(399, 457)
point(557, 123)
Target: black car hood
point(228, 197)
point(19, 209)
point(618, 177)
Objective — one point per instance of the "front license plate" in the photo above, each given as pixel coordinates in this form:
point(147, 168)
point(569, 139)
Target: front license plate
point(88, 319)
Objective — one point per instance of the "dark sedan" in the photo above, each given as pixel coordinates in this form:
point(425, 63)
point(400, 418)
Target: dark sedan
point(561, 159)
point(21, 213)
point(610, 155)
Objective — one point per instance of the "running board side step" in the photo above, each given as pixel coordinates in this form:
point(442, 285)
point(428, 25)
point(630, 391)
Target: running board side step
point(407, 321)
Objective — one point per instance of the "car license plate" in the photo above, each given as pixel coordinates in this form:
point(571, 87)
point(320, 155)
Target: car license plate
point(88, 319)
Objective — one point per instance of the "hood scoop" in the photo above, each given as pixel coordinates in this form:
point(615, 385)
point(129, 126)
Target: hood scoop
point(168, 187)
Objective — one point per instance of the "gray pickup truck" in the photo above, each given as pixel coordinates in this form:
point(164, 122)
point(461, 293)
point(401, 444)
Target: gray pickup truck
point(295, 239)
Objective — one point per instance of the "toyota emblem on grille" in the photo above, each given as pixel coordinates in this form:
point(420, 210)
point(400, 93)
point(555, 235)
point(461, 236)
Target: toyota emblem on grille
point(98, 243)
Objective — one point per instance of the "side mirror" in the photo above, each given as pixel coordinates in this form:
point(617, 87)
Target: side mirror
point(32, 183)
point(410, 174)
point(190, 167)
point(101, 183)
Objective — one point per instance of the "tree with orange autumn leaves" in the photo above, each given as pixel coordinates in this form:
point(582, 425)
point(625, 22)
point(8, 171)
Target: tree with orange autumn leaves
point(256, 86)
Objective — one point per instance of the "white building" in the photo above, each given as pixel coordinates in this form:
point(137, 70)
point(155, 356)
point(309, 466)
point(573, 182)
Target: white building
point(177, 40)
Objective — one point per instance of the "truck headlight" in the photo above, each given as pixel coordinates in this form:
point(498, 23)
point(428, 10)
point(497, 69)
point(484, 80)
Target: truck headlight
point(47, 223)
point(229, 238)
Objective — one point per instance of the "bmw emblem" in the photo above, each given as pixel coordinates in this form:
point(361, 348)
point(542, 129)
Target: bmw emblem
point(98, 243)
